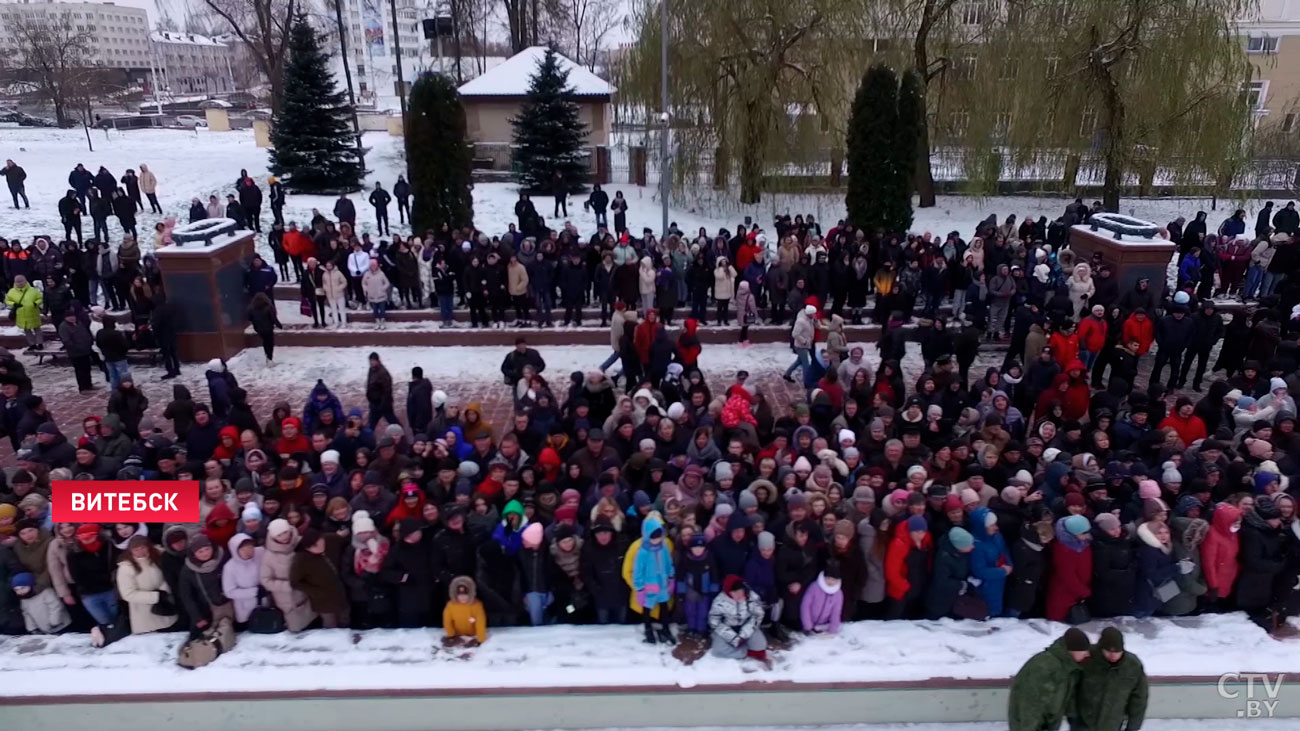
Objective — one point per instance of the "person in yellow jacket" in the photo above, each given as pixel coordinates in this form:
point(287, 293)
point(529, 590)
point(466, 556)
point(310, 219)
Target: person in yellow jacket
point(651, 578)
point(463, 619)
point(24, 303)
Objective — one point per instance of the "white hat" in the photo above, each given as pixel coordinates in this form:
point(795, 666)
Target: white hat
point(847, 435)
point(1276, 383)
point(809, 310)
point(1050, 453)
point(329, 455)
point(361, 522)
point(676, 410)
point(216, 365)
point(802, 465)
point(278, 527)
point(439, 398)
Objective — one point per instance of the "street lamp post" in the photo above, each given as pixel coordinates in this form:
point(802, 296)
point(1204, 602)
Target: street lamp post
point(665, 176)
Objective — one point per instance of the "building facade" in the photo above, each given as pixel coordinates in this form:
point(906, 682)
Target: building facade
point(121, 34)
point(1272, 42)
point(188, 63)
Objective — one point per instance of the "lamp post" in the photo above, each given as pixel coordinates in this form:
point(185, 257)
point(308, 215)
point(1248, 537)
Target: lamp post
point(397, 46)
point(665, 175)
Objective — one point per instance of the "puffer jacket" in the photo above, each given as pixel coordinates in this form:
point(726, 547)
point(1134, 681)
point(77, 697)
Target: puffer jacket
point(376, 286)
point(1219, 551)
point(730, 620)
point(241, 578)
point(277, 565)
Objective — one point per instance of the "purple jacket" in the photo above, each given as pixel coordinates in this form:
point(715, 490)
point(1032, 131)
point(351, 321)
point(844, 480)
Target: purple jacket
point(821, 606)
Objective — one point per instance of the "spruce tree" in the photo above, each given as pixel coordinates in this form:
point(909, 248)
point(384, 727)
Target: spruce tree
point(548, 135)
point(314, 144)
point(872, 134)
point(437, 156)
point(911, 111)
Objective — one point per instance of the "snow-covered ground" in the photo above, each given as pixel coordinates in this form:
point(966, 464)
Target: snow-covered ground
point(1182, 724)
point(201, 163)
point(574, 656)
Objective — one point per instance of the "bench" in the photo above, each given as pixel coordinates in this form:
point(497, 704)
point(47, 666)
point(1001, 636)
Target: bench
point(55, 357)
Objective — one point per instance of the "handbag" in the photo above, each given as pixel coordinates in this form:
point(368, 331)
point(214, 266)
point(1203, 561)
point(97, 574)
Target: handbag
point(1078, 614)
point(1166, 591)
point(304, 307)
point(266, 619)
point(208, 646)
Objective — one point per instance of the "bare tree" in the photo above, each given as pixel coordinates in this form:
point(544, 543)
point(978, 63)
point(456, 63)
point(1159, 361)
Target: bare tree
point(263, 26)
point(584, 25)
point(54, 59)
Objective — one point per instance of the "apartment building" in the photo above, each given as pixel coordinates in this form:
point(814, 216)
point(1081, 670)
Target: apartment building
point(1272, 41)
point(121, 34)
point(189, 63)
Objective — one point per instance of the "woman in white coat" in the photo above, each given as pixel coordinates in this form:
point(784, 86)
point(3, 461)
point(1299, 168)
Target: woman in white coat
point(241, 577)
point(281, 539)
point(335, 286)
point(141, 585)
point(645, 284)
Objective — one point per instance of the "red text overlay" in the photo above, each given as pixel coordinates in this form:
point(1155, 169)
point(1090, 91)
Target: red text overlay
point(87, 501)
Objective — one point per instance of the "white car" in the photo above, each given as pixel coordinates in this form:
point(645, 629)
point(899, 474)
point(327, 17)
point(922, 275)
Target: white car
point(189, 120)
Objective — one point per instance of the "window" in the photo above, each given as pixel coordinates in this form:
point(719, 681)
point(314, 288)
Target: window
point(972, 12)
point(1051, 64)
point(957, 123)
point(965, 68)
point(1008, 69)
point(1261, 44)
point(1002, 125)
point(1087, 122)
point(1256, 94)
point(1288, 123)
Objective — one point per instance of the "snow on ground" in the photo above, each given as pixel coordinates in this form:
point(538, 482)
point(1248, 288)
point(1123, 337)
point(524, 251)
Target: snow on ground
point(201, 163)
point(1186, 724)
point(575, 656)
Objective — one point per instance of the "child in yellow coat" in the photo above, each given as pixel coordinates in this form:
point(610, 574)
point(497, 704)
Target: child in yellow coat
point(464, 619)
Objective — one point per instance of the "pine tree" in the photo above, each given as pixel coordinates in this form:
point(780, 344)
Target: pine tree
point(872, 134)
point(314, 143)
point(437, 156)
point(548, 135)
point(911, 117)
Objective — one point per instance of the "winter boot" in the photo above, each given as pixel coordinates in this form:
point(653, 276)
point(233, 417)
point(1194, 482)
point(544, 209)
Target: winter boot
point(650, 634)
point(666, 634)
point(778, 632)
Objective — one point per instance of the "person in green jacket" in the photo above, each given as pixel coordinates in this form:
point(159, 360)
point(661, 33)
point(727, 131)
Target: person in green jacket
point(1042, 693)
point(1113, 691)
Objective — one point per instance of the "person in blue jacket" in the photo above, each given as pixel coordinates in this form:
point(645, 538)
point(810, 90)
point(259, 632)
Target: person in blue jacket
point(510, 531)
point(652, 578)
point(990, 562)
point(321, 399)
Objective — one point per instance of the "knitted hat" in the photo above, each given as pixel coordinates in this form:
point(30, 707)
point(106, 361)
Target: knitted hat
point(1112, 640)
point(1076, 500)
point(1276, 383)
point(960, 538)
point(1077, 525)
point(864, 494)
point(279, 527)
point(969, 497)
point(331, 456)
point(1010, 495)
point(952, 502)
point(847, 435)
point(1266, 507)
point(845, 528)
point(532, 536)
point(1107, 522)
point(1153, 508)
point(723, 471)
point(23, 579)
point(251, 512)
point(1075, 639)
point(916, 523)
point(766, 541)
point(1171, 477)
point(362, 522)
point(1148, 489)
point(746, 501)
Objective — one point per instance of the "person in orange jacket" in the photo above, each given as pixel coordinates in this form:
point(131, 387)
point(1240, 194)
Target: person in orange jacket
point(1092, 335)
point(1065, 344)
point(1189, 426)
point(464, 619)
point(1140, 328)
point(298, 246)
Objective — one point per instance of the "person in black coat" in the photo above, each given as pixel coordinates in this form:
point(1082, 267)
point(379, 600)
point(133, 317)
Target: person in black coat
point(70, 210)
point(408, 568)
point(260, 278)
point(1287, 220)
point(204, 434)
point(1262, 556)
point(453, 548)
point(1262, 227)
point(235, 211)
point(198, 211)
point(402, 192)
point(598, 202)
point(132, 184)
point(200, 590)
point(1207, 331)
point(250, 198)
point(512, 368)
point(379, 198)
point(264, 319)
point(345, 211)
point(162, 320)
point(1173, 336)
point(276, 191)
point(1114, 569)
point(124, 209)
point(419, 401)
point(100, 207)
point(572, 278)
point(951, 569)
point(602, 572)
point(105, 182)
point(1029, 557)
point(81, 181)
point(796, 568)
point(526, 213)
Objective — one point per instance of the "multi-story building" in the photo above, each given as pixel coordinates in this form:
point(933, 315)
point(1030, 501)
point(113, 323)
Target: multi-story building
point(1272, 41)
point(188, 63)
point(372, 47)
point(120, 34)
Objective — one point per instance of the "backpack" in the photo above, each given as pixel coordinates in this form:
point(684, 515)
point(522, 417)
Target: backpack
point(202, 650)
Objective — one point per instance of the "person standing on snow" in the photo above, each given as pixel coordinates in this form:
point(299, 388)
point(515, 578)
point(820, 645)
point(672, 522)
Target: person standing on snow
point(276, 190)
point(149, 186)
point(379, 198)
point(345, 211)
point(250, 198)
point(402, 192)
point(1113, 691)
point(1043, 693)
point(15, 176)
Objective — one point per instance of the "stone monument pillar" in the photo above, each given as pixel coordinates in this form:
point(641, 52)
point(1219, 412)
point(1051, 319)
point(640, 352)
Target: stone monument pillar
point(204, 280)
point(1130, 246)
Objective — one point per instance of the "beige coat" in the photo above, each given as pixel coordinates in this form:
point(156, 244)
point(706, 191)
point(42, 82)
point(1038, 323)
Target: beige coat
point(148, 181)
point(334, 284)
point(277, 562)
point(140, 592)
point(56, 560)
point(516, 279)
point(376, 286)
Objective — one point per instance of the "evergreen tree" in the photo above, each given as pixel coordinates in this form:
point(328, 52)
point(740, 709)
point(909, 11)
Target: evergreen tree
point(911, 121)
point(314, 144)
point(437, 156)
point(870, 153)
point(548, 134)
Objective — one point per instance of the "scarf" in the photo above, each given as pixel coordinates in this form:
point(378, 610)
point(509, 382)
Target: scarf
point(208, 566)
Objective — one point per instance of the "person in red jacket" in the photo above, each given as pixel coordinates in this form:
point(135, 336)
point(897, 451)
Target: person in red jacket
point(1189, 426)
point(1092, 335)
point(1070, 389)
point(1071, 577)
point(1065, 344)
point(291, 439)
point(1219, 553)
point(688, 346)
point(907, 568)
point(644, 336)
point(1140, 328)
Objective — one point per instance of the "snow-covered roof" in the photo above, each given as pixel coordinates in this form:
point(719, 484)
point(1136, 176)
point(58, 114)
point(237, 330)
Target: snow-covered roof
point(511, 78)
point(189, 39)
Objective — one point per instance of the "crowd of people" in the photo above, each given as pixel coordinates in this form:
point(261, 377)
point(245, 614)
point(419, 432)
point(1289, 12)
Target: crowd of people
point(1043, 487)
